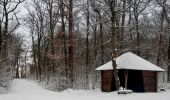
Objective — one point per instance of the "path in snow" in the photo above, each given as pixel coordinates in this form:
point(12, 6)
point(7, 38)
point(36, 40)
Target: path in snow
point(27, 90)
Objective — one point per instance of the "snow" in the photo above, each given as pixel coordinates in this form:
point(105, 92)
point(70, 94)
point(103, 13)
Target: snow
point(124, 91)
point(131, 61)
point(29, 90)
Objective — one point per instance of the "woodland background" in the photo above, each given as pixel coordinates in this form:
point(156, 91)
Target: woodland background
point(68, 39)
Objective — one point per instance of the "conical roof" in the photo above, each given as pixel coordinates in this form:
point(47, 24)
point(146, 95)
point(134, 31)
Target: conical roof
point(131, 61)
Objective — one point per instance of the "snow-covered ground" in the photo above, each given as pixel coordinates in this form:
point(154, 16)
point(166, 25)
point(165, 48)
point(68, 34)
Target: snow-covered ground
point(28, 90)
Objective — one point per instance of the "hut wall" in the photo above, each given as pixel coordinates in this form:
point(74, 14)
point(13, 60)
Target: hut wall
point(150, 81)
point(107, 80)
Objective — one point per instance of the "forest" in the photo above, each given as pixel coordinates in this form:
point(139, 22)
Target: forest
point(62, 42)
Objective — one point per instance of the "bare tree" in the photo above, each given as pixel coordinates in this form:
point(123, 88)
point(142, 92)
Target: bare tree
point(70, 51)
point(7, 10)
point(19, 43)
point(138, 7)
point(87, 42)
point(112, 5)
point(10, 48)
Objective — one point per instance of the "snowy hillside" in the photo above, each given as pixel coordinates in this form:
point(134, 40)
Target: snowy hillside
point(27, 90)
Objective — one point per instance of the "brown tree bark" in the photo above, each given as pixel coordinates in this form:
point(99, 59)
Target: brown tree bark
point(34, 55)
point(169, 61)
point(1, 39)
point(87, 44)
point(122, 26)
point(101, 38)
point(17, 64)
point(160, 37)
point(50, 11)
point(70, 51)
point(39, 58)
point(114, 55)
point(136, 15)
point(5, 32)
point(64, 38)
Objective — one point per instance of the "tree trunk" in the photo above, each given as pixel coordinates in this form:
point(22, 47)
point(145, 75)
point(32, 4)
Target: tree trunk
point(159, 50)
point(122, 26)
point(169, 61)
point(39, 60)
point(95, 55)
point(114, 55)
point(17, 63)
point(138, 37)
point(0, 36)
point(25, 67)
point(71, 58)
point(160, 37)
point(5, 34)
point(95, 44)
point(101, 38)
point(17, 71)
point(64, 42)
point(52, 35)
point(34, 56)
point(136, 17)
point(87, 45)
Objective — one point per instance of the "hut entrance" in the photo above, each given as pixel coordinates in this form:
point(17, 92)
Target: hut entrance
point(135, 80)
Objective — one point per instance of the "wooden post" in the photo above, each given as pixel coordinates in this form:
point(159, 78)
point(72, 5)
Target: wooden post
point(126, 78)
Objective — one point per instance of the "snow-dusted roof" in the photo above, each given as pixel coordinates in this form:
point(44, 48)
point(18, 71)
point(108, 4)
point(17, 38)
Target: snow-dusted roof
point(131, 61)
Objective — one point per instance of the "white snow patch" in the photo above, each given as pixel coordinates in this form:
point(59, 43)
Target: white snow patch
point(27, 90)
point(131, 61)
